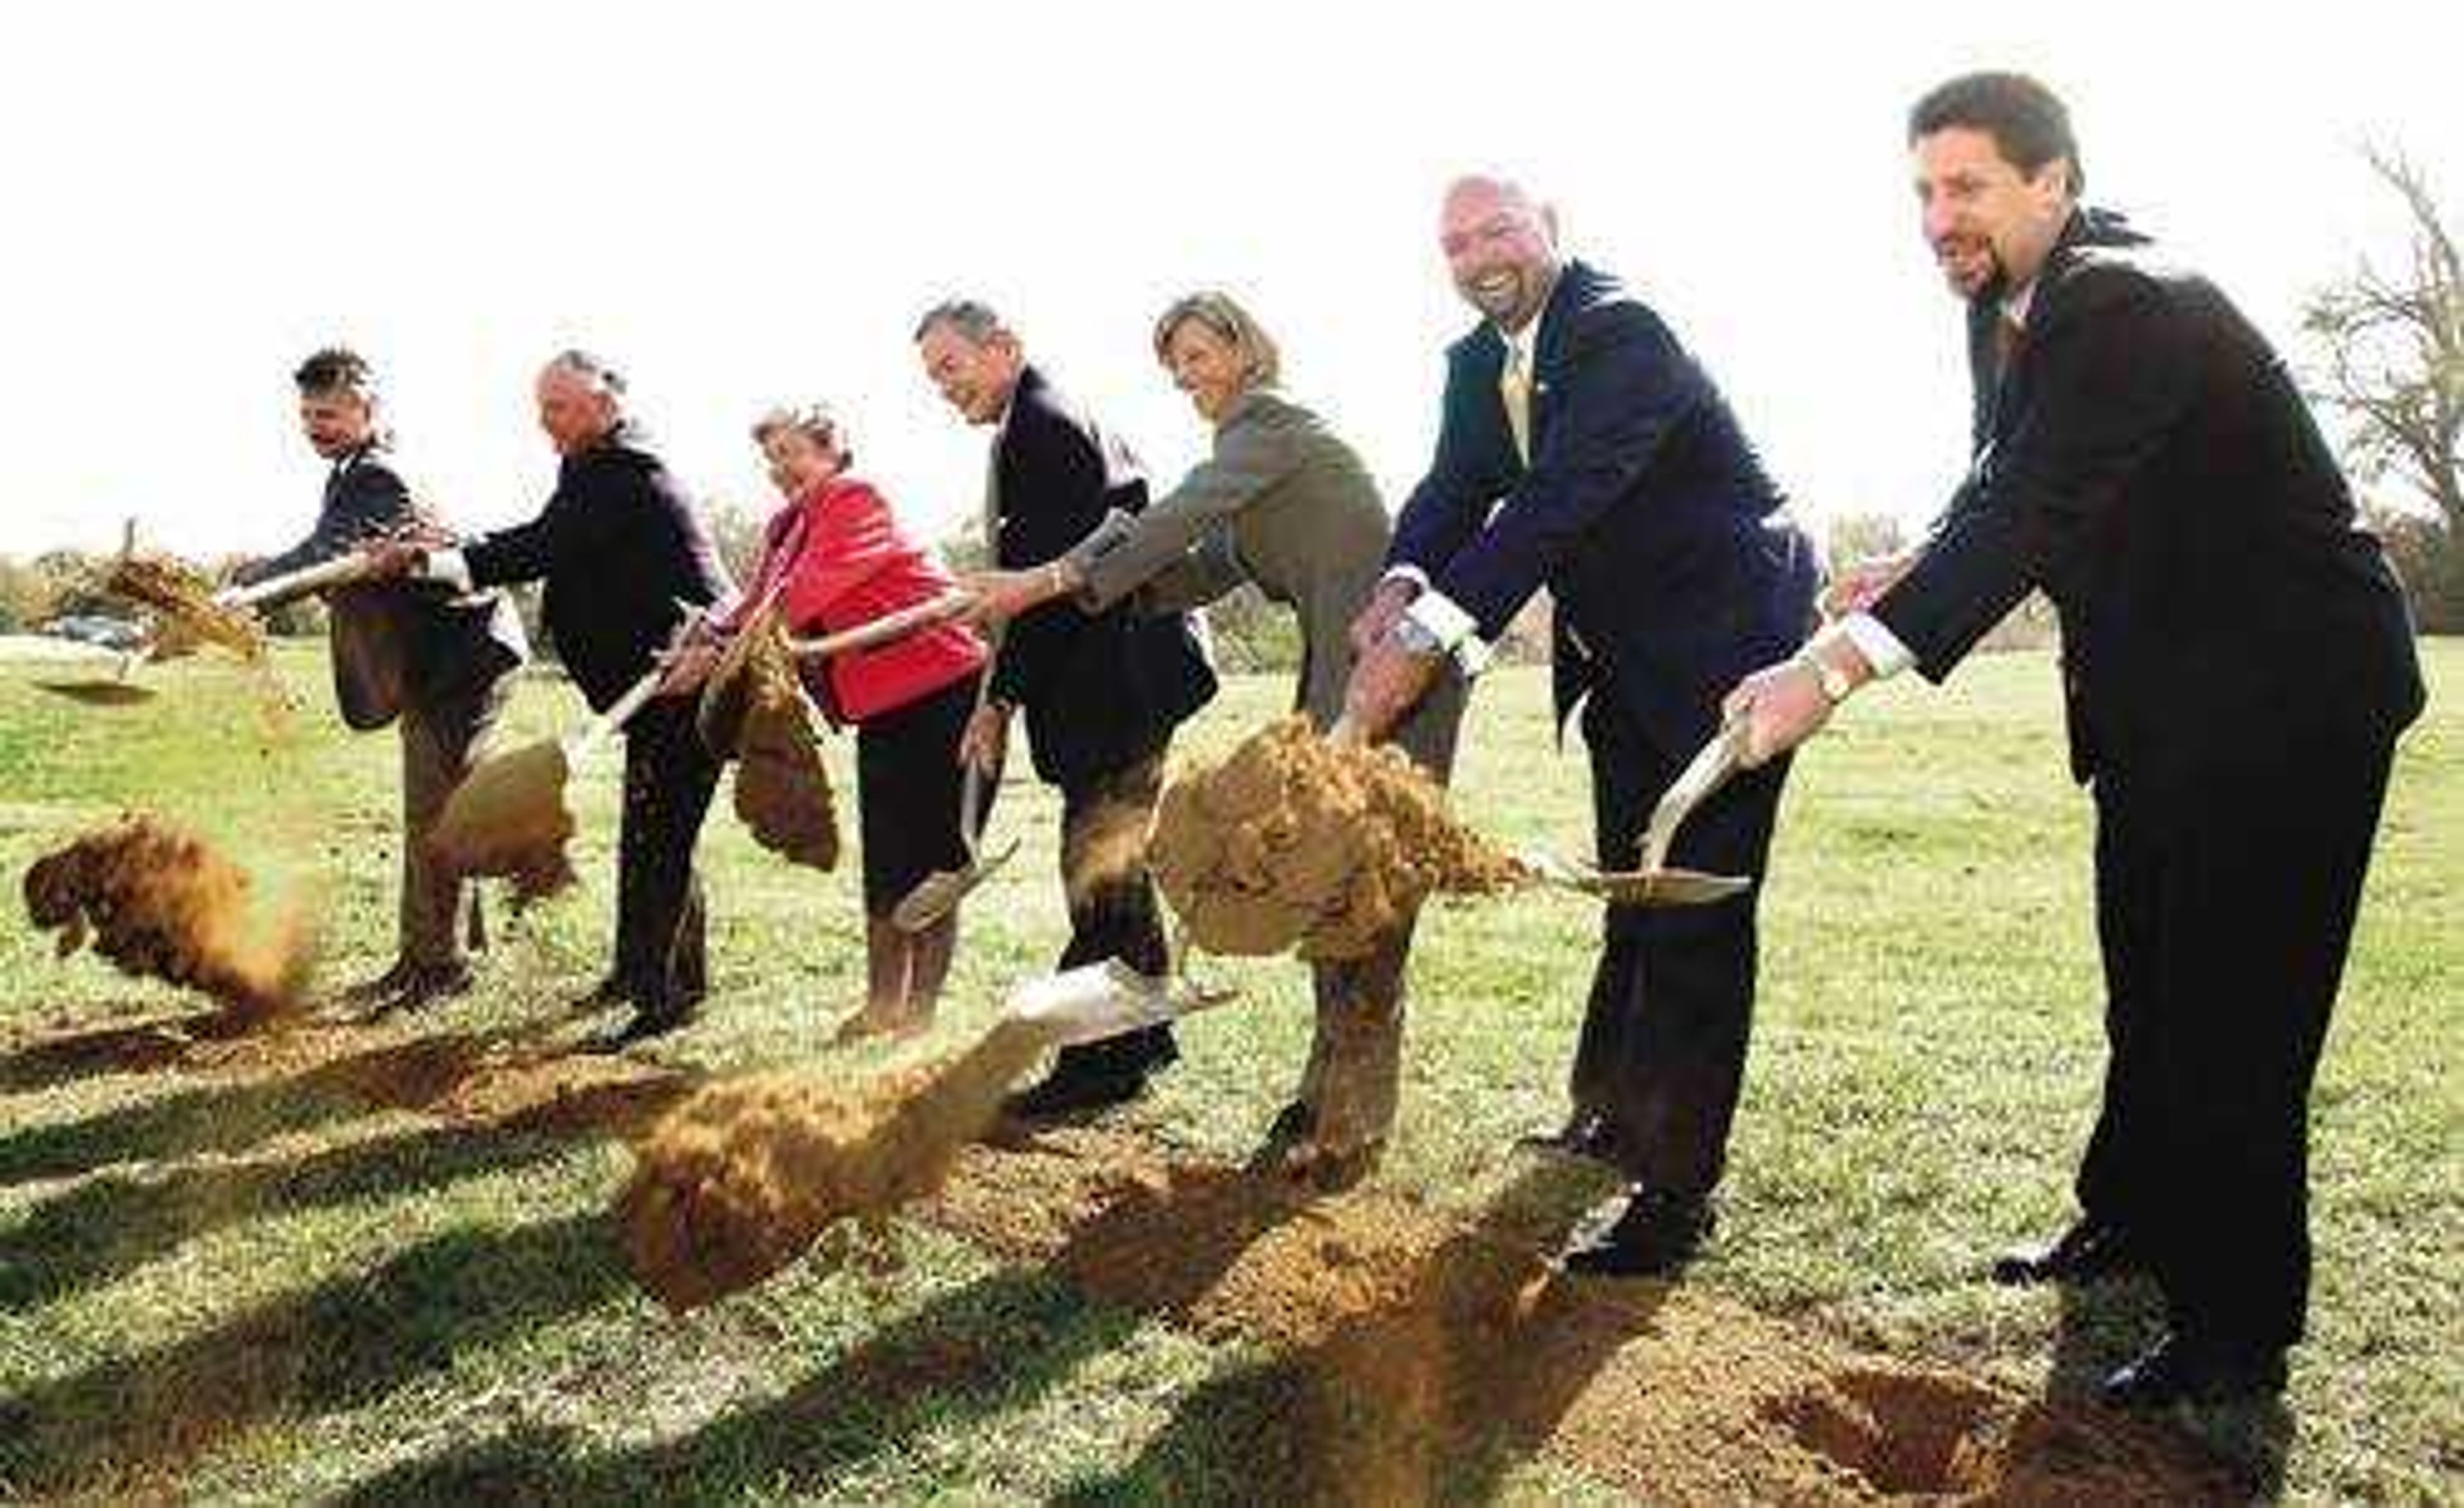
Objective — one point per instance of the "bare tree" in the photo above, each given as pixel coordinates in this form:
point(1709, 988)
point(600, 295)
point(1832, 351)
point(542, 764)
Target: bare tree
point(2393, 364)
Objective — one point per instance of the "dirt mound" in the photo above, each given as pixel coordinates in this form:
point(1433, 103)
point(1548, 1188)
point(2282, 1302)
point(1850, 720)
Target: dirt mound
point(158, 902)
point(508, 819)
point(1292, 839)
point(182, 600)
point(739, 1179)
point(783, 789)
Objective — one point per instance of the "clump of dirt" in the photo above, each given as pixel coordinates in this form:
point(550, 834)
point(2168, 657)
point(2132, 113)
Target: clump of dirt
point(186, 615)
point(508, 819)
point(1293, 839)
point(783, 789)
point(159, 902)
point(741, 1179)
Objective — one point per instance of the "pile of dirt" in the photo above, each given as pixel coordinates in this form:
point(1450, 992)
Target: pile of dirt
point(783, 789)
point(742, 1177)
point(182, 600)
point(159, 902)
point(508, 820)
point(1295, 840)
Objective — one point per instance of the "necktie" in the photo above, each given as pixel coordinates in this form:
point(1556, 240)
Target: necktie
point(1514, 386)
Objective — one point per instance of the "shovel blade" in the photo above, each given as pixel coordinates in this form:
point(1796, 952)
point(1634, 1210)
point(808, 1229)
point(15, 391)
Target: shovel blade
point(1102, 1000)
point(938, 894)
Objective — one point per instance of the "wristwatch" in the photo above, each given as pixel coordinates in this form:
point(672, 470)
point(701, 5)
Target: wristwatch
point(1835, 682)
point(1416, 637)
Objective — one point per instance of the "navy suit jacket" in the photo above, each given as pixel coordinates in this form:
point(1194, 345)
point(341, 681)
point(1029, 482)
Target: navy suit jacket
point(396, 644)
point(1101, 691)
point(1644, 510)
point(2148, 461)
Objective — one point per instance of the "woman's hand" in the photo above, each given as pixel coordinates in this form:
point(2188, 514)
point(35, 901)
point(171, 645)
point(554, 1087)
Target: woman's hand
point(986, 740)
point(1002, 595)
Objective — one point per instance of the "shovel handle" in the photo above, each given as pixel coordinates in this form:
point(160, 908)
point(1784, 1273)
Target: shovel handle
point(884, 629)
point(339, 571)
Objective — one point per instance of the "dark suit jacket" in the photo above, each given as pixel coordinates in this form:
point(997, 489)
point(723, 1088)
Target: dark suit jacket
point(1103, 690)
point(396, 644)
point(624, 556)
point(2148, 461)
point(1644, 510)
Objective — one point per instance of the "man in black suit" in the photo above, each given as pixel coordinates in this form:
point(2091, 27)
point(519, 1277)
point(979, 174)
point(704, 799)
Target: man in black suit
point(1584, 449)
point(625, 559)
point(1101, 692)
point(2236, 664)
point(438, 667)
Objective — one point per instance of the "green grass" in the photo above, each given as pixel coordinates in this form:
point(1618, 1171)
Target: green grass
point(272, 1285)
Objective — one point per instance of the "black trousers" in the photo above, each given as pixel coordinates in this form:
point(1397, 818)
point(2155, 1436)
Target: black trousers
point(1662, 1051)
point(1115, 911)
point(661, 956)
point(2225, 914)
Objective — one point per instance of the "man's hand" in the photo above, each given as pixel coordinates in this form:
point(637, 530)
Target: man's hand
point(1378, 618)
point(1859, 586)
point(391, 559)
point(1783, 706)
point(1002, 595)
point(1385, 684)
point(688, 665)
point(986, 738)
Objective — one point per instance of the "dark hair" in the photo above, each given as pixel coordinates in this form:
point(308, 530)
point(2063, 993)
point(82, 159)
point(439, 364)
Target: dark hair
point(336, 368)
point(2026, 120)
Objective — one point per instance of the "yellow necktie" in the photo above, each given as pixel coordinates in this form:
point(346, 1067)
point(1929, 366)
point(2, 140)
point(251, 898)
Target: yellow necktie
point(1514, 386)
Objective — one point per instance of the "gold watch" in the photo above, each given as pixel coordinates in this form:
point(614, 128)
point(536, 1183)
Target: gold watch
point(1835, 682)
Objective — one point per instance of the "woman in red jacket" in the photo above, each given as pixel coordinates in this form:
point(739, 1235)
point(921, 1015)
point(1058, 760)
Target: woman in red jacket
point(834, 558)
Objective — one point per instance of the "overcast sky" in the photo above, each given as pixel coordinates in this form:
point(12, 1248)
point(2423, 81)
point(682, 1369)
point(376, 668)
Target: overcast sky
point(740, 204)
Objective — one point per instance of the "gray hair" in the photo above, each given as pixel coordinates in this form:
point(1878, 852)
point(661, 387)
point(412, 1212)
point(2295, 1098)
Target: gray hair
point(592, 370)
point(974, 319)
point(816, 422)
point(1222, 315)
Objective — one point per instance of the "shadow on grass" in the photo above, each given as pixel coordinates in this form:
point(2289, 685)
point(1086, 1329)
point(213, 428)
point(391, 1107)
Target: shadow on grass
point(124, 1423)
point(2106, 1325)
point(1435, 1392)
point(116, 1222)
point(55, 1058)
point(234, 1116)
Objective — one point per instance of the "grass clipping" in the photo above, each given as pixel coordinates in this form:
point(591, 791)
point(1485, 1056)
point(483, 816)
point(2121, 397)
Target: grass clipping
point(508, 819)
point(754, 708)
point(744, 1177)
point(182, 600)
point(160, 903)
point(1293, 840)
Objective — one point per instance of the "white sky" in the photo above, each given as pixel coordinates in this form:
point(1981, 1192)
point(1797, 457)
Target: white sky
point(741, 203)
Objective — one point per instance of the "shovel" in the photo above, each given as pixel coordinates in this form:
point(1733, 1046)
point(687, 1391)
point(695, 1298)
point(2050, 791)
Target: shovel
point(1654, 883)
point(1095, 1001)
point(341, 570)
point(938, 894)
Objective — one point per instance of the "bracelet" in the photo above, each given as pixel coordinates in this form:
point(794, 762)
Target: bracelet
point(1834, 681)
point(1056, 578)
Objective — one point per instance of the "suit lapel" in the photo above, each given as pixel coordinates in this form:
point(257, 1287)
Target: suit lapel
point(1576, 285)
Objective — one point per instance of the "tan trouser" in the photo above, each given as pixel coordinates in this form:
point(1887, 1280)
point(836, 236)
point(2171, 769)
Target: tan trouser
point(437, 743)
point(1355, 1060)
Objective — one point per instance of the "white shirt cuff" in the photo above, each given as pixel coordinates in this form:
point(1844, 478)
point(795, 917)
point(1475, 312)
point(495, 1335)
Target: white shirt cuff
point(1410, 573)
point(1883, 649)
point(1456, 632)
point(450, 567)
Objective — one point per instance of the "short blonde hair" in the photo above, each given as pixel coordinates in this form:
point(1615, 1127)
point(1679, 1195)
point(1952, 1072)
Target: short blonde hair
point(1227, 321)
point(816, 422)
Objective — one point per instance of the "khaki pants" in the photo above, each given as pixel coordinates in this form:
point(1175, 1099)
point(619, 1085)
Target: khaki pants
point(437, 743)
point(1355, 1061)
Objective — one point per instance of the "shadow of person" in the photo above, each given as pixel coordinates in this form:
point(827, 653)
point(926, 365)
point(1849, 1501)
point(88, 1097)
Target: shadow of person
point(1452, 1370)
point(356, 1337)
point(52, 1060)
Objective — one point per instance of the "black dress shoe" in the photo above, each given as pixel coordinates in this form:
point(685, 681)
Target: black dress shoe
point(649, 1022)
point(1068, 1092)
point(2181, 1369)
point(1657, 1236)
point(426, 984)
point(1586, 1134)
point(381, 988)
point(1295, 1122)
point(2089, 1252)
point(605, 995)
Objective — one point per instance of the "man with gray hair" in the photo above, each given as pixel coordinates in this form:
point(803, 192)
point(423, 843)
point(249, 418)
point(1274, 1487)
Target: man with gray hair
point(435, 665)
point(1101, 692)
point(624, 557)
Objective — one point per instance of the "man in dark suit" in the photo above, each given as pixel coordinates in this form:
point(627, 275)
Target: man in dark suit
point(1584, 449)
point(625, 559)
point(438, 667)
point(1101, 692)
point(2236, 663)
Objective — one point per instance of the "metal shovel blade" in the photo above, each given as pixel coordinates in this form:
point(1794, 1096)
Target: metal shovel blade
point(938, 894)
point(1102, 1000)
point(1635, 887)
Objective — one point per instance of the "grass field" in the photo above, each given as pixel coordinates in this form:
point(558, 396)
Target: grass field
point(331, 1265)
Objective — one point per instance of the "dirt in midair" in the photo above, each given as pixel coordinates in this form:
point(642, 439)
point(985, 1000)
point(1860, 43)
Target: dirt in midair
point(744, 1177)
point(508, 819)
point(182, 600)
point(159, 902)
point(783, 789)
point(1295, 840)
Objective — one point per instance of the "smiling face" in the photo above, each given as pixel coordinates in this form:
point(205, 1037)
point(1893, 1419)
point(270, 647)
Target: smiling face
point(575, 412)
point(1501, 250)
point(975, 379)
point(337, 421)
point(798, 461)
point(1990, 224)
point(1209, 368)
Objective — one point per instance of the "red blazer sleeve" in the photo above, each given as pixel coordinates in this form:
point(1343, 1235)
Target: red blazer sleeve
point(848, 537)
